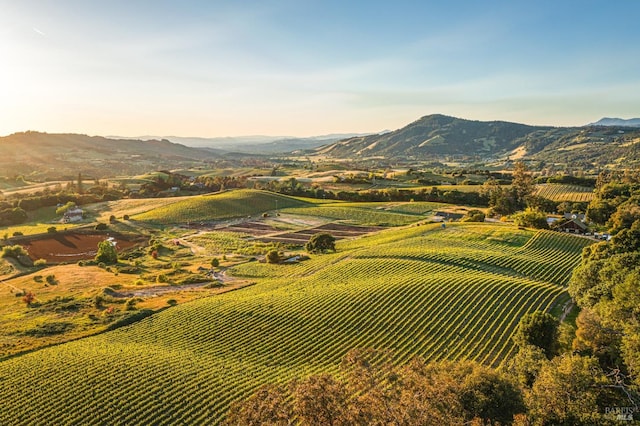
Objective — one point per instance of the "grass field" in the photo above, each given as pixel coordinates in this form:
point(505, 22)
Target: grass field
point(454, 293)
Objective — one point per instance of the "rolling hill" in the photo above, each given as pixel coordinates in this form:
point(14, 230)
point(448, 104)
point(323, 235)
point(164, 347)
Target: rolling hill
point(438, 136)
point(60, 154)
point(454, 293)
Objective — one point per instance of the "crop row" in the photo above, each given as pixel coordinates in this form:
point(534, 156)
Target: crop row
point(564, 192)
point(437, 293)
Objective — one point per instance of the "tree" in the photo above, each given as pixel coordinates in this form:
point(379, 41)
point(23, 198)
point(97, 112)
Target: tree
point(273, 256)
point(567, 392)
point(531, 218)
point(107, 253)
point(539, 329)
point(321, 243)
point(522, 184)
point(268, 405)
point(28, 298)
point(215, 262)
point(473, 216)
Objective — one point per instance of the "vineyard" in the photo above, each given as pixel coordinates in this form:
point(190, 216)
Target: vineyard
point(224, 205)
point(564, 192)
point(454, 293)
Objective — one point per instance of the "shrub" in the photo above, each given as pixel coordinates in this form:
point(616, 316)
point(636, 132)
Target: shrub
point(531, 218)
point(273, 256)
point(18, 234)
point(13, 251)
point(172, 302)
point(40, 262)
point(320, 243)
point(473, 216)
point(106, 253)
point(37, 278)
point(98, 301)
point(52, 230)
point(161, 278)
point(215, 262)
point(130, 304)
point(51, 279)
point(28, 298)
point(101, 227)
point(112, 219)
point(125, 217)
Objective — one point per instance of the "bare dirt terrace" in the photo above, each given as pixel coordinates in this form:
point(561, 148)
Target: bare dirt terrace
point(71, 247)
point(339, 231)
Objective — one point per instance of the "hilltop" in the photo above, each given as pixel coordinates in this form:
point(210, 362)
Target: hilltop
point(621, 122)
point(57, 154)
point(439, 136)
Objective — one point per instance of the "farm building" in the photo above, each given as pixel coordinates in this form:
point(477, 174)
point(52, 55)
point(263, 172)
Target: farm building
point(73, 215)
point(574, 226)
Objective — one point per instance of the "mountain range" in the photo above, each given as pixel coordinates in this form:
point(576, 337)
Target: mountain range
point(431, 138)
point(621, 122)
point(442, 137)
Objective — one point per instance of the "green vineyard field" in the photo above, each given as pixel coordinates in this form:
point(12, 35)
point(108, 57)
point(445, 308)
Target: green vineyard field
point(564, 192)
point(452, 293)
point(224, 205)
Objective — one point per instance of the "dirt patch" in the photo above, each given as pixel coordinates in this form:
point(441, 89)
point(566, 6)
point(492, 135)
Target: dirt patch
point(71, 247)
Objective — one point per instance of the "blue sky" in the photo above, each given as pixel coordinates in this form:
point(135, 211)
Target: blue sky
point(213, 68)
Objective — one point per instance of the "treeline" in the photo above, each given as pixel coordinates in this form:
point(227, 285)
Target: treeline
point(294, 188)
point(14, 209)
point(606, 286)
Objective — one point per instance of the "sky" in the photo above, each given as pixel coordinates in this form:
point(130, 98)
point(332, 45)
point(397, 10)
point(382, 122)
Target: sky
point(306, 67)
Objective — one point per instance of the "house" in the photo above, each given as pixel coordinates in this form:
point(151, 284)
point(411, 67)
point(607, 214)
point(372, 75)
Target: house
point(72, 215)
point(574, 226)
point(578, 216)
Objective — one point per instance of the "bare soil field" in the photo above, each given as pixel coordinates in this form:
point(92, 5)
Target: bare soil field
point(71, 247)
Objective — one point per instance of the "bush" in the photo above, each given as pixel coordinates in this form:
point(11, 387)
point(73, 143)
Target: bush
point(215, 262)
point(531, 218)
point(125, 217)
point(321, 243)
point(172, 302)
point(106, 253)
point(112, 219)
point(51, 279)
point(273, 256)
point(130, 304)
point(52, 230)
point(38, 278)
point(40, 262)
point(473, 216)
point(18, 234)
point(13, 251)
point(101, 227)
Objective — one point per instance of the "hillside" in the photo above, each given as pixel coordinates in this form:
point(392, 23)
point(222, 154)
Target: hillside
point(620, 122)
point(68, 154)
point(439, 136)
point(454, 293)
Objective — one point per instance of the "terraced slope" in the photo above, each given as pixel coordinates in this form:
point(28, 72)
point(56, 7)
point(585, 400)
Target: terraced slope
point(453, 293)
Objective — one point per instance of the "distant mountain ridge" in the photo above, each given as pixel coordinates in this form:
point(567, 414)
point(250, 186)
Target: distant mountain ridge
point(257, 143)
point(58, 154)
point(621, 122)
point(437, 136)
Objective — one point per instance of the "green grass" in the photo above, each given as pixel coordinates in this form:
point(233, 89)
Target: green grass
point(454, 293)
point(224, 205)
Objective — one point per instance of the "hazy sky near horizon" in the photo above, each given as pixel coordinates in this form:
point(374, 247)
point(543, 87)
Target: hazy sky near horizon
point(302, 68)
